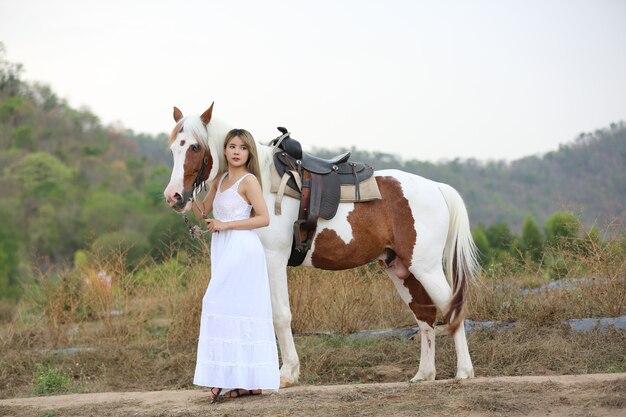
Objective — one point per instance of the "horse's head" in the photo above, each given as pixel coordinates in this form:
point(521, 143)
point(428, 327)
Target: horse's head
point(193, 163)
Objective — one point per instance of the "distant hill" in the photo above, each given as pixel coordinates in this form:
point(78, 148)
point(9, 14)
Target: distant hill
point(586, 176)
point(70, 183)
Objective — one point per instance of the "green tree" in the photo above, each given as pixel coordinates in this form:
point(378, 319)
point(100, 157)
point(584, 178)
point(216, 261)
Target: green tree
point(562, 229)
point(104, 212)
point(9, 254)
point(532, 239)
point(482, 243)
point(169, 235)
point(41, 175)
point(156, 184)
point(23, 138)
point(500, 237)
point(130, 244)
point(9, 74)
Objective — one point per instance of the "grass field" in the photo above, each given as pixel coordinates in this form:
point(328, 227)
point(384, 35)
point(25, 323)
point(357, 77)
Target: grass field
point(139, 331)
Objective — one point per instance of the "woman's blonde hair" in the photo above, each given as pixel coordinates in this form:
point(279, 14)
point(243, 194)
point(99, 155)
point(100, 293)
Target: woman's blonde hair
point(252, 165)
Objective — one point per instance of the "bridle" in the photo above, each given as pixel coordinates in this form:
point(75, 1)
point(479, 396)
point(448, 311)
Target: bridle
point(198, 185)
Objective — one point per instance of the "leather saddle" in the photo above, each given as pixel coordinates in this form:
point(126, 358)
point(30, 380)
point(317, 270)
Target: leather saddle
point(319, 183)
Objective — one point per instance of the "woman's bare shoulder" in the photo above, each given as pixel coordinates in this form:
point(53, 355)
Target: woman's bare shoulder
point(251, 180)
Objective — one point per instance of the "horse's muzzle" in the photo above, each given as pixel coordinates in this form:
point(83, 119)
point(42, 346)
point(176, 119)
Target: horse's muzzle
point(177, 201)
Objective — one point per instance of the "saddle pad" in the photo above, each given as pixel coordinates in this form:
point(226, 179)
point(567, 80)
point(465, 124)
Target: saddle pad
point(368, 189)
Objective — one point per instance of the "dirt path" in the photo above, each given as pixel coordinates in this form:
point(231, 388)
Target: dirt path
point(596, 395)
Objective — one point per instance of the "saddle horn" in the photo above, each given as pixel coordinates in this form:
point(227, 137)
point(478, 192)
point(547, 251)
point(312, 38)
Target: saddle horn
point(288, 144)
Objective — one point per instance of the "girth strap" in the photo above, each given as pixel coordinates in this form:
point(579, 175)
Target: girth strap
point(302, 236)
point(283, 185)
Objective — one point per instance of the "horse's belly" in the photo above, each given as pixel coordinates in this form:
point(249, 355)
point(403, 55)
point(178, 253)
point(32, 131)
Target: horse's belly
point(352, 238)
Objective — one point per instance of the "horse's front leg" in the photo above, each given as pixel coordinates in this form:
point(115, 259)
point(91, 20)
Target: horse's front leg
point(277, 271)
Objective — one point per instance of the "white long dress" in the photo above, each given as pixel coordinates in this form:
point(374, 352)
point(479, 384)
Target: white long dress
point(237, 345)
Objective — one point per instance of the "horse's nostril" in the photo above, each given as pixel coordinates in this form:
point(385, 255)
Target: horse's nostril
point(178, 197)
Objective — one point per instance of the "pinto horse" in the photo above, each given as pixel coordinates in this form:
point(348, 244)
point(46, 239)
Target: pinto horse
point(416, 231)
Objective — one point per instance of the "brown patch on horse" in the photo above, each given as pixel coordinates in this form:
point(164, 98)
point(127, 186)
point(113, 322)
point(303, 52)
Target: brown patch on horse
point(193, 165)
point(206, 116)
point(376, 226)
point(177, 114)
point(421, 304)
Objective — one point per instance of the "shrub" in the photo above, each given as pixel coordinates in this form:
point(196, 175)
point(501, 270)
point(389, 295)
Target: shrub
point(131, 244)
point(49, 380)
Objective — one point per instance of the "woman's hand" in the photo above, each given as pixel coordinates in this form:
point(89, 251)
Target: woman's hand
point(215, 226)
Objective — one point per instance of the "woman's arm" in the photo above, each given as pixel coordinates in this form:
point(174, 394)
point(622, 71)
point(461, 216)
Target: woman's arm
point(252, 192)
point(206, 203)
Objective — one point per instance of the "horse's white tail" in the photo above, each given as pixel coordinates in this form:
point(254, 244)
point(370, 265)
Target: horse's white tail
point(459, 256)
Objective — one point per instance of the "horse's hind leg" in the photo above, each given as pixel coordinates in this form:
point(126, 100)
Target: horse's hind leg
point(435, 283)
point(425, 312)
point(464, 367)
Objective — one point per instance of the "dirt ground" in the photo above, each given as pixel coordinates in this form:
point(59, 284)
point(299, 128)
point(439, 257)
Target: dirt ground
point(595, 395)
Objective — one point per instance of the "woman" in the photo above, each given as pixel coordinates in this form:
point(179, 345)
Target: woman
point(237, 353)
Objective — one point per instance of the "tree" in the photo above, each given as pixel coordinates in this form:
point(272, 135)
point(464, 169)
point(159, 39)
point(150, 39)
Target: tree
point(562, 229)
point(104, 212)
point(482, 243)
point(532, 239)
point(41, 175)
point(499, 236)
point(9, 74)
point(9, 254)
point(128, 243)
point(169, 235)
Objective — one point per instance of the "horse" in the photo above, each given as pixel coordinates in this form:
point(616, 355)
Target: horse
point(418, 230)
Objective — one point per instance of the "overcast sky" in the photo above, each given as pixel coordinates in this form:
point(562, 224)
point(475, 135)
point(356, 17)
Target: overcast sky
point(426, 80)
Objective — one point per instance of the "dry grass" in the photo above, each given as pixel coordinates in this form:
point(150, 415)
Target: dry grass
point(149, 318)
point(597, 288)
point(345, 301)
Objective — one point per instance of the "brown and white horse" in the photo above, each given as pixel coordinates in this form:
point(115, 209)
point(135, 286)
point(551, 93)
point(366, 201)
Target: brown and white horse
point(417, 230)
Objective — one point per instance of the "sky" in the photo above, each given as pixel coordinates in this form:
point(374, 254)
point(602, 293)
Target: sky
point(427, 80)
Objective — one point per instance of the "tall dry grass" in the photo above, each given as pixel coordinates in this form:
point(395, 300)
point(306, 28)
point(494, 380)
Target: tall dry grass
point(140, 330)
point(345, 301)
point(592, 276)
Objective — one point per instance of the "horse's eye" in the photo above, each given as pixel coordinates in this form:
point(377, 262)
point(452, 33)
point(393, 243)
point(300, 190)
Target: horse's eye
point(195, 148)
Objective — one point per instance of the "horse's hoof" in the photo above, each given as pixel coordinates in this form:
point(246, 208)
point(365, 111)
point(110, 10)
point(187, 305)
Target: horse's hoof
point(423, 377)
point(465, 374)
point(286, 383)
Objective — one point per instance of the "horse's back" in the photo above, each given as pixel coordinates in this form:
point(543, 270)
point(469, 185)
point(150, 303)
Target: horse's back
point(419, 191)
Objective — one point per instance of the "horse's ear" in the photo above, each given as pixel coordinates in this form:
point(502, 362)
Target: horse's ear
point(206, 116)
point(177, 114)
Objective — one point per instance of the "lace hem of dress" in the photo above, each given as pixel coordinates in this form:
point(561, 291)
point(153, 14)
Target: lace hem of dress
point(239, 318)
point(238, 364)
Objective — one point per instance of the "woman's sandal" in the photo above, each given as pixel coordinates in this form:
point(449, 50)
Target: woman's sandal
point(240, 392)
point(215, 395)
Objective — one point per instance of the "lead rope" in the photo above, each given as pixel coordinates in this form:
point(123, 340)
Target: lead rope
point(194, 230)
